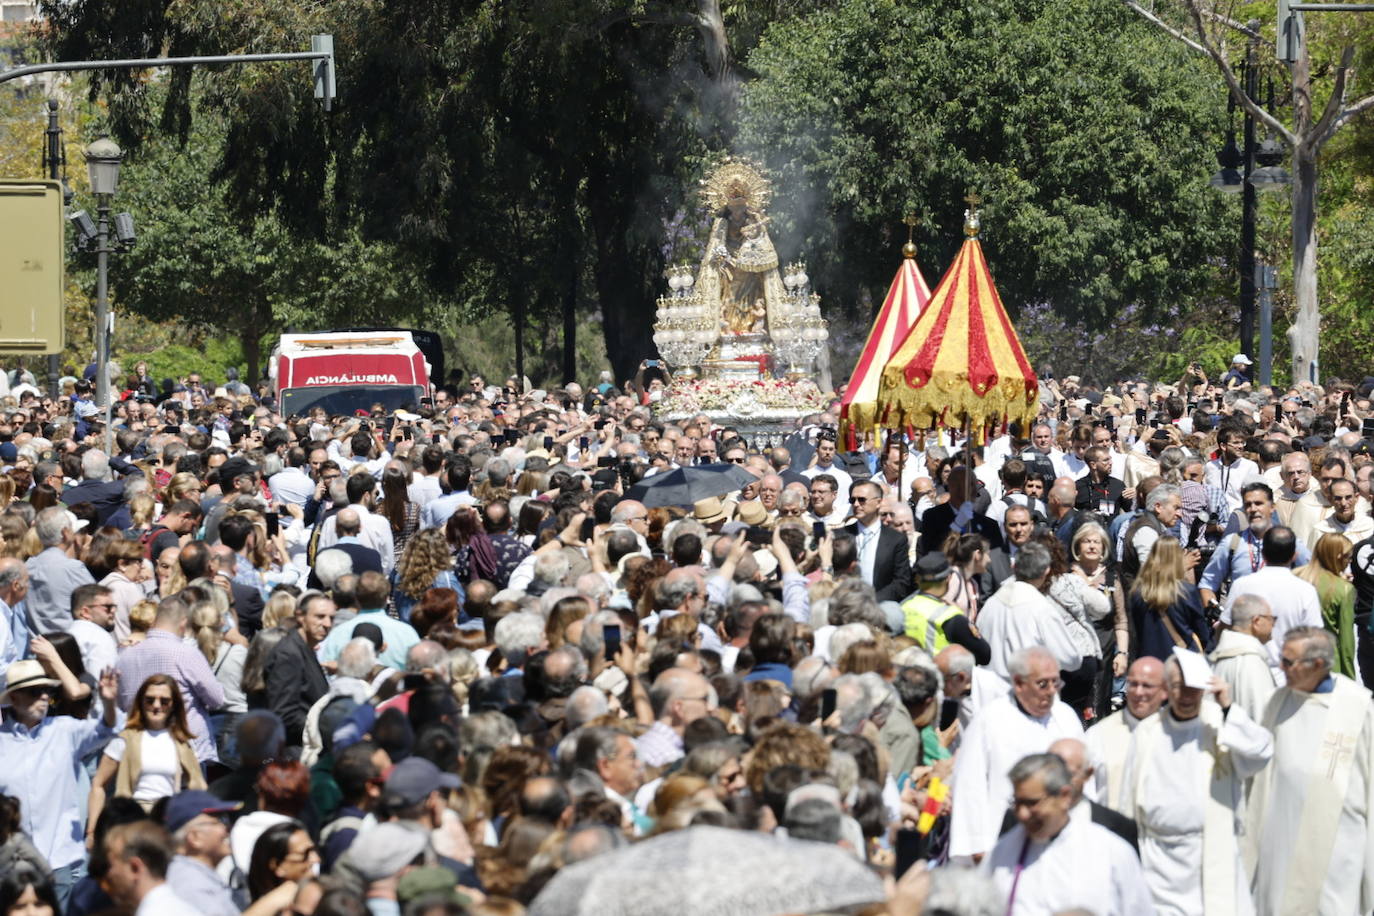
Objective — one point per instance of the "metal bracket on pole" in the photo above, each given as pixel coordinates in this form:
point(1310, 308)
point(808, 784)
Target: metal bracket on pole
point(322, 50)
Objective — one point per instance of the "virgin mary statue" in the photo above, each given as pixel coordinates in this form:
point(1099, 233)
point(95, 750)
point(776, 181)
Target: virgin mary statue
point(739, 271)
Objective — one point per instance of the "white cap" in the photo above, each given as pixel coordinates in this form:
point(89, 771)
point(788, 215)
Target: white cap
point(1241, 358)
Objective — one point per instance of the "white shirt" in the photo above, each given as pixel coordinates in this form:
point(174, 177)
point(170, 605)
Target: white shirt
point(159, 777)
point(375, 532)
point(163, 901)
point(1231, 477)
point(842, 483)
point(1018, 616)
point(868, 549)
point(1085, 868)
point(98, 648)
point(1295, 604)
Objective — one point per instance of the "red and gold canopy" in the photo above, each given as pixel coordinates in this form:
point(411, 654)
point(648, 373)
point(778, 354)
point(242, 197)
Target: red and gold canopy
point(961, 365)
point(907, 295)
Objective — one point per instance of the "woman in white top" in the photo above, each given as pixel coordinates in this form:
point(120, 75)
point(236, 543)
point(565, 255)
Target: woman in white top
point(152, 758)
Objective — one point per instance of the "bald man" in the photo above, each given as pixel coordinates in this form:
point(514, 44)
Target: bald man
point(679, 698)
point(1074, 753)
point(1109, 742)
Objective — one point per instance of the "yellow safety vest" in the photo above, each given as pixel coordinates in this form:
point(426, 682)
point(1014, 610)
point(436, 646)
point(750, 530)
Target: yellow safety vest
point(925, 620)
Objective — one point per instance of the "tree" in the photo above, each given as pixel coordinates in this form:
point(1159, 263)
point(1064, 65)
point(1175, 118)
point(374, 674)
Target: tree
point(1084, 146)
point(201, 264)
point(1314, 125)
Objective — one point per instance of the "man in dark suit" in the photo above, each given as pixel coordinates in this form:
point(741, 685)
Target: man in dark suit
point(883, 559)
point(365, 557)
point(295, 679)
point(106, 497)
point(938, 521)
point(1074, 754)
point(1018, 526)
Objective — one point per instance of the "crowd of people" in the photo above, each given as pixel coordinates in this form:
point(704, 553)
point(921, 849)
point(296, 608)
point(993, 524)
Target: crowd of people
point(466, 659)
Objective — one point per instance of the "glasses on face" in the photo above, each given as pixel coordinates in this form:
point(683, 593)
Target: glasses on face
point(33, 693)
point(735, 460)
point(1294, 662)
point(304, 854)
point(157, 701)
point(1045, 683)
point(1028, 802)
point(1330, 480)
point(858, 500)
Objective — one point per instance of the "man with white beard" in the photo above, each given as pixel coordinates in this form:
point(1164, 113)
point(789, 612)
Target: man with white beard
point(1309, 841)
point(1027, 721)
point(1109, 741)
point(1185, 786)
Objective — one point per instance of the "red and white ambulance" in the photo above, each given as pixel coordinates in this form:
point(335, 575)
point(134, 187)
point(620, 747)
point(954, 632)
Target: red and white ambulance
point(348, 371)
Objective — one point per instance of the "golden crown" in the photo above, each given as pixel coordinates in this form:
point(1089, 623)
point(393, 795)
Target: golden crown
point(734, 178)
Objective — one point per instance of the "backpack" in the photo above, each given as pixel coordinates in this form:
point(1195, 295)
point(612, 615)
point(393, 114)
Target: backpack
point(146, 539)
point(1039, 520)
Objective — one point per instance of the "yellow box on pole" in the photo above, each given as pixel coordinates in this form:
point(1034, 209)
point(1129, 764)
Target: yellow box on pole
point(32, 267)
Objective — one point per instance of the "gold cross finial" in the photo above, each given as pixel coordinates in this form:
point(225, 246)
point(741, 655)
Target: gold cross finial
point(909, 249)
point(973, 199)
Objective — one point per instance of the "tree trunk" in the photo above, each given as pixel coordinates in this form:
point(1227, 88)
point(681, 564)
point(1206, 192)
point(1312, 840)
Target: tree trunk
point(1304, 334)
point(252, 354)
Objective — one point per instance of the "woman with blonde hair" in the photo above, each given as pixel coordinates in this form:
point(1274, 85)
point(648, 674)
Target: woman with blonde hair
point(425, 563)
point(141, 618)
point(1164, 607)
point(12, 531)
point(126, 581)
point(226, 661)
point(1327, 574)
point(142, 508)
point(280, 609)
point(181, 486)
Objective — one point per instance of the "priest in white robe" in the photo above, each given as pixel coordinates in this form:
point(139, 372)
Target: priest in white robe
point(1241, 659)
point(1026, 722)
point(1309, 843)
point(1185, 789)
point(1020, 615)
point(1109, 741)
point(1052, 862)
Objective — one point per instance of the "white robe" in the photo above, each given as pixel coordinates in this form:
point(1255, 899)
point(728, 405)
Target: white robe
point(1109, 744)
point(1018, 616)
point(1184, 787)
point(1242, 662)
point(1000, 736)
point(1309, 844)
point(1086, 867)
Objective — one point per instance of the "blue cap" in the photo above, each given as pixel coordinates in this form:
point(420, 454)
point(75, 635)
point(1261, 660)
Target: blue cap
point(412, 780)
point(185, 806)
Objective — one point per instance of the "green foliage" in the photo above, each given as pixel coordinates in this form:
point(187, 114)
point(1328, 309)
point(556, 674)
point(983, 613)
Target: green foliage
point(175, 361)
point(1088, 138)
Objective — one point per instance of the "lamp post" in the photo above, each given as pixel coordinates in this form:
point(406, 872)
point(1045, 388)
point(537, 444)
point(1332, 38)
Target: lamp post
point(1238, 173)
point(103, 158)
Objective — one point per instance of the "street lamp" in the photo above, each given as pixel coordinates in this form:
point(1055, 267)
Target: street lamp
point(1238, 174)
point(103, 158)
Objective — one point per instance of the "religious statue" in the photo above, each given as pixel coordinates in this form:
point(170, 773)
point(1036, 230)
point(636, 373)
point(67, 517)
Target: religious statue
point(739, 271)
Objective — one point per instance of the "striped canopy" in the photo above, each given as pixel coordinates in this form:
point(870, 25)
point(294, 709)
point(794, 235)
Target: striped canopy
point(907, 295)
point(961, 364)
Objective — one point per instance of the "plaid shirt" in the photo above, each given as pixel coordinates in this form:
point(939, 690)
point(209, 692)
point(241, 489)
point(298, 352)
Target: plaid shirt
point(163, 653)
point(659, 746)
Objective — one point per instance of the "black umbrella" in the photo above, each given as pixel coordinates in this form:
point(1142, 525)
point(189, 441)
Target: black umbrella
point(690, 485)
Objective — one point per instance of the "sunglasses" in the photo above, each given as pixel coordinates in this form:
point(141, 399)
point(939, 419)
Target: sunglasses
point(157, 701)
